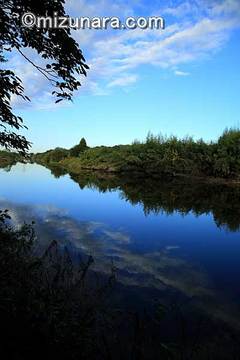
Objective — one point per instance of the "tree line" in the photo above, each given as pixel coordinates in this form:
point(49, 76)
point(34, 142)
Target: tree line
point(156, 156)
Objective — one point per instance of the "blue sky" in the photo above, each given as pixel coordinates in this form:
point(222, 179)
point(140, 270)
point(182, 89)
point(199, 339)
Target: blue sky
point(182, 80)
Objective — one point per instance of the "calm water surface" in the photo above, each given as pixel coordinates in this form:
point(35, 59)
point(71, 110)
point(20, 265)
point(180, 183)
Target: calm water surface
point(164, 243)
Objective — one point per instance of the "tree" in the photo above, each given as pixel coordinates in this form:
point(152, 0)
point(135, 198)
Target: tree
point(76, 150)
point(83, 145)
point(228, 153)
point(58, 154)
point(63, 57)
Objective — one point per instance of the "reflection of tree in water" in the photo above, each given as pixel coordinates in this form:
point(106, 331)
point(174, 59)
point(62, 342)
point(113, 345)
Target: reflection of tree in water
point(221, 200)
point(57, 171)
point(7, 168)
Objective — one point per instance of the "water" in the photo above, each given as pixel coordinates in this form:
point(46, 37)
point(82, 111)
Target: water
point(169, 241)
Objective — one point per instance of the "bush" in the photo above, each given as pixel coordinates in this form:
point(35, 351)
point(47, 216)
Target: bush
point(158, 154)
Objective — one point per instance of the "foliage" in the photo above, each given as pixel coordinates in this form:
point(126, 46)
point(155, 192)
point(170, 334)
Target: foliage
point(8, 158)
point(160, 156)
point(63, 61)
point(228, 153)
point(78, 149)
point(54, 156)
point(44, 300)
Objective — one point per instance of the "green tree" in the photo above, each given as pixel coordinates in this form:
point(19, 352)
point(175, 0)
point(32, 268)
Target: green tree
point(58, 154)
point(228, 153)
point(63, 61)
point(76, 150)
point(83, 145)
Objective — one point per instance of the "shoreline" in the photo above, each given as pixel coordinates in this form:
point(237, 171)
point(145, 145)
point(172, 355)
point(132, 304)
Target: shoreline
point(138, 175)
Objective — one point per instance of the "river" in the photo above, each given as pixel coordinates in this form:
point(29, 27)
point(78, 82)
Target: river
point(168, 242)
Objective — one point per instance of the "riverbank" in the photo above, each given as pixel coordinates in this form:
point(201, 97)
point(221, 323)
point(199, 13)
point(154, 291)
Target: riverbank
point(75, 168)
point(8, 159)
point(157, 156)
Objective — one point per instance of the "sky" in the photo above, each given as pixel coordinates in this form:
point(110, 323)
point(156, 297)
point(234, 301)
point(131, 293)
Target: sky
point(181, 80)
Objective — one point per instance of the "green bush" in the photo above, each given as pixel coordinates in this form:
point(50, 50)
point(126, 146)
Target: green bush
point(157, 155)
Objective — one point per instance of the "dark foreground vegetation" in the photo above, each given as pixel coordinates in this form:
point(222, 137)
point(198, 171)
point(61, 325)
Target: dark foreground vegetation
point(157, 156)
point(54, 306)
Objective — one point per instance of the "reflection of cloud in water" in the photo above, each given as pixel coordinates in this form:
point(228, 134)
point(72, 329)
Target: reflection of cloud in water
point(172, 247)
point(161, 270)
point(117, 236)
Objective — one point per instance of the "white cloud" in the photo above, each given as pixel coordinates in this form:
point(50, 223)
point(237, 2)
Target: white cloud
point(183, 9)
point(123, 81)
point(198, 29)
point(181, 73)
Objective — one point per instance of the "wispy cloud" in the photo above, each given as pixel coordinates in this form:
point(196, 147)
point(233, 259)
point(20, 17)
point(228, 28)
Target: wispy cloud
point(195, 31)
point(181, 73)
point(123, 81)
